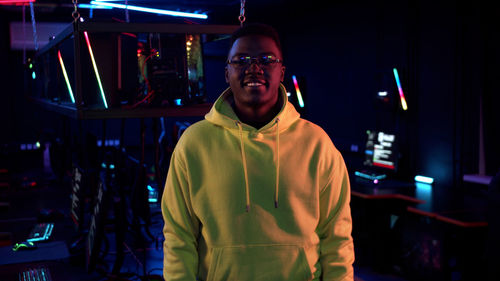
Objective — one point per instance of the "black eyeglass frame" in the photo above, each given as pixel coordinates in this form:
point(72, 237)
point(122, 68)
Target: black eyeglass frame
point(250, 60)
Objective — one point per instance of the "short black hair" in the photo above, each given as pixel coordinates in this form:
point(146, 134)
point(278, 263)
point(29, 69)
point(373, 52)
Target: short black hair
point(257, 29)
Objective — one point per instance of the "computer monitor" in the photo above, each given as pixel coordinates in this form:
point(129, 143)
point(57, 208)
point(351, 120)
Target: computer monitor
point(381, 151)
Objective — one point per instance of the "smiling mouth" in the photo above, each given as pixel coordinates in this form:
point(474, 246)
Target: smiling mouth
point(254, 83)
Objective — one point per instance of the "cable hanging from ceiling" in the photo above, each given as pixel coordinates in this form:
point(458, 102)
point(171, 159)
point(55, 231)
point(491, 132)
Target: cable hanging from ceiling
point(242, 18)
point(75, 14)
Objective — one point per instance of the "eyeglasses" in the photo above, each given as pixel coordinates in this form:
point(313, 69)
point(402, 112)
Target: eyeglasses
point(262, 61)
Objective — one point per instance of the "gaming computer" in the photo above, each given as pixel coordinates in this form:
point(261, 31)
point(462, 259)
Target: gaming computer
point(101, 66)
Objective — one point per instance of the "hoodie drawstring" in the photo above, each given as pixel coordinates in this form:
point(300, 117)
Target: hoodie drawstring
point(277, 163)
point(243, 157)
point(245, 170)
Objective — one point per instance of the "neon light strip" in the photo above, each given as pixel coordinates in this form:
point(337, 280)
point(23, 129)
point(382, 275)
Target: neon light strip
point(151, 10)
point(400, 89)
point(15, 2)
point(45, 236)
point(88, 6)
point(103, 96)
point(424, 179)
point(299, 95)
point(383, 165)
point(65, 76)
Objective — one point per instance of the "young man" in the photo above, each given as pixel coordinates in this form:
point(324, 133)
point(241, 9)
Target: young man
point(254, 192)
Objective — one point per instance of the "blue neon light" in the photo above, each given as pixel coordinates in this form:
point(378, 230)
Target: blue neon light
point(151, 10)
point(89, 6)
point(423, 179)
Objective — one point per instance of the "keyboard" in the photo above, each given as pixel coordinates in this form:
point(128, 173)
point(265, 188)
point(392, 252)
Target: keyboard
point(41, 232)
point(35, 274)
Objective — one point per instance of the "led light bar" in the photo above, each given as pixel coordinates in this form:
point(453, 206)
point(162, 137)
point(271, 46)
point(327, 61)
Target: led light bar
point(151, 10)
point(103, 96)
point(370, 176)
point(297, 90)
point(15, 2)
point(424, 179)
point(400, 89)
point(61, 62)
point(89, 6)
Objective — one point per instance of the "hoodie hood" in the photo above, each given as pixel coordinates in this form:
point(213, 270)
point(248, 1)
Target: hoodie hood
point(222, 114)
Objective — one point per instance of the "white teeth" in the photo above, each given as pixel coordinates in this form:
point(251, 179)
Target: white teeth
point(254, 84)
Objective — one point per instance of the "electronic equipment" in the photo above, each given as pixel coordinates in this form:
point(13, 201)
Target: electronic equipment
point(381, 150)
point(35, 274)
point(95, 235)
point(380, 157)
point(77, 197)
point(121, 69)
point(41, 232)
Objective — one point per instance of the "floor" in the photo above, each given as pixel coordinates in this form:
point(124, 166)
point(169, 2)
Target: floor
point(34, 194)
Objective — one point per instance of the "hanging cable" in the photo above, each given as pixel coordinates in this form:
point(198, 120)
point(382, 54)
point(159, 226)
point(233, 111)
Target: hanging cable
point(75, 14)
point(127, 17)
point(33, 23)
point(242, 18)
point(24, 34)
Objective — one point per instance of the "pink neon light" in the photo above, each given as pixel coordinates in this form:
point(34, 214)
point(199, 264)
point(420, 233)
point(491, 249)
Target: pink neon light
point(16, 2)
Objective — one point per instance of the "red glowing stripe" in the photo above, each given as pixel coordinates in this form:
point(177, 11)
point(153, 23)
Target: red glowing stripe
point(103, 96)
point(383, 165)
point(16, 2)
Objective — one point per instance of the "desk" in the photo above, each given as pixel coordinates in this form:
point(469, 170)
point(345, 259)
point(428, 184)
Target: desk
point(375, 210)
point(388, 189)
point(451, 205)
point(421, 231)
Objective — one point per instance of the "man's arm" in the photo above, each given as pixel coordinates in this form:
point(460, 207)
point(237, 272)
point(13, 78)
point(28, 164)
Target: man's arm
point(181, 228)
point(335, 226)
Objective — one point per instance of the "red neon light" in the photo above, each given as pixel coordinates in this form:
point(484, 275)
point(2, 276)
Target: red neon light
point(16, 2)
point(383, 165)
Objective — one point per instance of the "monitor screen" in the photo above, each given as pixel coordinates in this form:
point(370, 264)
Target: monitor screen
point(381, 150)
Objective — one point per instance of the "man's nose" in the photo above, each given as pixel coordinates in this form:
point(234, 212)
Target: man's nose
point(254, 67)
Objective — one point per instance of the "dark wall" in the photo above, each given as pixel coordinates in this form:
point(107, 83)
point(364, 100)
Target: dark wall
point(446, 54)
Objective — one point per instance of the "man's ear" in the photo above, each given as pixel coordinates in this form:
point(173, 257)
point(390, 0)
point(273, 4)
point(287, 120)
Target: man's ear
point(283, 74)
point(226, 74)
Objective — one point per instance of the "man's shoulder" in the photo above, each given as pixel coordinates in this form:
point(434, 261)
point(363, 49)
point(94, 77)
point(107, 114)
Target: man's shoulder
point(197, 128)
point(196, 132)
point(315, 134)
point(311, 128)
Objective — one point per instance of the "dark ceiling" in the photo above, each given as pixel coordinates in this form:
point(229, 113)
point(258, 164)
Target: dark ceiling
point(218, 11)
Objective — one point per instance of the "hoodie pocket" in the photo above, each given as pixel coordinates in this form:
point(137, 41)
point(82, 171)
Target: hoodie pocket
point(259, 262)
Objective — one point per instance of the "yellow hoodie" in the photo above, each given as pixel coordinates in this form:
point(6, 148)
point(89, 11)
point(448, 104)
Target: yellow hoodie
point(256, 204)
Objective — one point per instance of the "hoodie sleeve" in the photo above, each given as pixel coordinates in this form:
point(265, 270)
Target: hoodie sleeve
point(180, 261)
point(335, 226)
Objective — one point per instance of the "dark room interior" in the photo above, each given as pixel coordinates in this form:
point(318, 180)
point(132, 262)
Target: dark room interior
point(406, 90)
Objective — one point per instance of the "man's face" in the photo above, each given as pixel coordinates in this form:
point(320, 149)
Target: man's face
point(255, 84)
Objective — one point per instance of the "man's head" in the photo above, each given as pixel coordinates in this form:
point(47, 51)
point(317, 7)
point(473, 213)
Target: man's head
point(255, 70)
